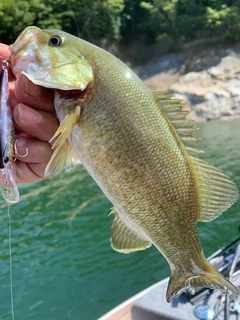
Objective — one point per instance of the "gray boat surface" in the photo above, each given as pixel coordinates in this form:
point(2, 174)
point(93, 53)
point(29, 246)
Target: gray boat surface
point(202, 303)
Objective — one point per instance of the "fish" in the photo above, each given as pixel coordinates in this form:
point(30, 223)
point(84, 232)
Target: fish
point(8, 185)
point(137, 145)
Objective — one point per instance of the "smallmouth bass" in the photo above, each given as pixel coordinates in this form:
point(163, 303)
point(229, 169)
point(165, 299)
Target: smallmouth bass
point(136, 145)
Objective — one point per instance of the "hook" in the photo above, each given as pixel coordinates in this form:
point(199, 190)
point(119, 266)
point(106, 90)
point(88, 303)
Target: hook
point(16, 152)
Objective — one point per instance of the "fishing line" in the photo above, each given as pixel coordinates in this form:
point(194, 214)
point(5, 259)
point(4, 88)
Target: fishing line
point(10, 259)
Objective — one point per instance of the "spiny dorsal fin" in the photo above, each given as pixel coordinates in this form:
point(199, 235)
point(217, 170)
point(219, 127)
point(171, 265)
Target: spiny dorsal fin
point(126, 239)
point(217, 192)
point(194, 152)
point(184, 127)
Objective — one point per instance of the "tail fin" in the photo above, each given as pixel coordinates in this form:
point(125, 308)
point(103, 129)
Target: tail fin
point(212, 279)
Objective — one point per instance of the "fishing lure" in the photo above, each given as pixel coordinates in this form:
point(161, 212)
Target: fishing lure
point(8, 185)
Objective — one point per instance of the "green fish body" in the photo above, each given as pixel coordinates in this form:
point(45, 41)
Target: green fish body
point(136, 145)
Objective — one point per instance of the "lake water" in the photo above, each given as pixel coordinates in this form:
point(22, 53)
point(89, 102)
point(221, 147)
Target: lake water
point(63, 265)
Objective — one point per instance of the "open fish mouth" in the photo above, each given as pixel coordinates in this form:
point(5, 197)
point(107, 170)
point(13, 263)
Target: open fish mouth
point(76, 94)
point(72, 94)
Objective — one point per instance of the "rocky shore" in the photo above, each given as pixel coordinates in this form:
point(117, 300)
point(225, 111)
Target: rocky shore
point(207, 78)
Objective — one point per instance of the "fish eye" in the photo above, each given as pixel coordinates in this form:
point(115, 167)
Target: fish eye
point(55, 41)
point(6, 160)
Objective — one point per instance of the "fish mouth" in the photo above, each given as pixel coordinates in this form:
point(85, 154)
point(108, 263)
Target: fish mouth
point(76, 94)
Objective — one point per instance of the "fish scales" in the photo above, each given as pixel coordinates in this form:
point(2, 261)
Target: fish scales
point(136, 145)
point(151, 177)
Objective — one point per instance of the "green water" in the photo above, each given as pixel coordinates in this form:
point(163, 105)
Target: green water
point(63, 265)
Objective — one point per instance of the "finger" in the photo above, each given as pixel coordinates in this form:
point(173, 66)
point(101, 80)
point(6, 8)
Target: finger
point(30, 94)
point(39, 124)
point(4, 55)
point(4, 51)
point(34, 154)
point(12, 98)
point(23, 172)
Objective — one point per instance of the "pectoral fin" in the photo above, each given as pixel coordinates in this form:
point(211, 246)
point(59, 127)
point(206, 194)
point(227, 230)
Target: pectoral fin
point(66, 126)
point(126, 239)
point(64, 155)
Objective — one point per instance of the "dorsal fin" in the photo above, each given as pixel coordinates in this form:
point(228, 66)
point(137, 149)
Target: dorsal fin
point(217, 192)
point(184, 127)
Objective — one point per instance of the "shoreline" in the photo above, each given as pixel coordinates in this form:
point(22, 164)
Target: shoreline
point(207, 78)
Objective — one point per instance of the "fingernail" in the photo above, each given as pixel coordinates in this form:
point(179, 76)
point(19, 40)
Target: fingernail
point(31, 89)
point(28, 114)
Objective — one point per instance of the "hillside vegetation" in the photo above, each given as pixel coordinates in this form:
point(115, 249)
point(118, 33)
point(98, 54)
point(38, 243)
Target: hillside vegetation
point(147, 21)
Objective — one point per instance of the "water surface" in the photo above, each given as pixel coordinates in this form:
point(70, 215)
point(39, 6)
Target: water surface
point(63, 265)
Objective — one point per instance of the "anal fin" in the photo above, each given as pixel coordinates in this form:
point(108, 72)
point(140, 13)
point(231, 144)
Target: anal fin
point(126, 239)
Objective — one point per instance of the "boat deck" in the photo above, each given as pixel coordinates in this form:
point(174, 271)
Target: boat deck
point(151, 303)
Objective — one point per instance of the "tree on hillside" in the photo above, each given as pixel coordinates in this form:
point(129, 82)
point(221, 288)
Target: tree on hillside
point(124, 20)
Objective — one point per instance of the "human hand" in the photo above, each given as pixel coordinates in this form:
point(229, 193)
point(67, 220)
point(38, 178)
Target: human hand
point(35, 124)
